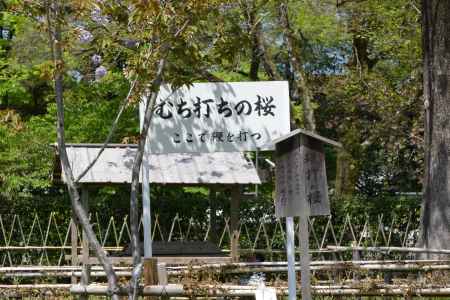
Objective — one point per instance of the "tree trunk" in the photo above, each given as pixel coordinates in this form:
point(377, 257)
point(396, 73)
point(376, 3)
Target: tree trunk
point(54, 17)
point(269, 66)
point(435, 211)
point(134, 207)
point(260, 53)
point(345, 175)
point(253, 27)
point(299, 82)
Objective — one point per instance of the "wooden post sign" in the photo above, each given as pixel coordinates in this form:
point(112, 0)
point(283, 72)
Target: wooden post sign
point(301, 181)
point(301, 190)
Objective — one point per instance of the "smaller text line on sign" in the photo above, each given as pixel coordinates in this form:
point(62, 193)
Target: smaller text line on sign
point(219, 117)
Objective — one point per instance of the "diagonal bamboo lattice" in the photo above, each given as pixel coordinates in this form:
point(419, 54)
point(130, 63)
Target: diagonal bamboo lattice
point(38, 240)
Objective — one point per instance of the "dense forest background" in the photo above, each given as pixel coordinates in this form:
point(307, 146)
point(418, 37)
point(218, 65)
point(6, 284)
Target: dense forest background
point(360, 62)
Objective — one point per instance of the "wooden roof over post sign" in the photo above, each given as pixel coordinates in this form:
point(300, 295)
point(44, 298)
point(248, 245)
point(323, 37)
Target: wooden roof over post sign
point(301, 181)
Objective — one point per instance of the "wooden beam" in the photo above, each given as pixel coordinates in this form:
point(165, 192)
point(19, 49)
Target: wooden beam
point(172, 260)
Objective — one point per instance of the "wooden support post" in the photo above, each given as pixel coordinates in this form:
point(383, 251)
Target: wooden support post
point(213, 236)
point(163, 278)
point(356, 257)
point(150, 273)
point(74, 244)
point(234, 222)
point(304, 256)
point(388, 276)
point(86, 269)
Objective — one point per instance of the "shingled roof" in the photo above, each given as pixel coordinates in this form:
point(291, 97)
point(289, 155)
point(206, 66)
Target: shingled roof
point(115, 163)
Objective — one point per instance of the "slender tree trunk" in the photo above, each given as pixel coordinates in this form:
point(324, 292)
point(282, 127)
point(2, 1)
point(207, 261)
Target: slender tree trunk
point(435, 211)
point(303, 91)
point(134, 206)
point(54, 18)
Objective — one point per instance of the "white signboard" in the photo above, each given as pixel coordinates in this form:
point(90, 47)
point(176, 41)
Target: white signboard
point(219, 117)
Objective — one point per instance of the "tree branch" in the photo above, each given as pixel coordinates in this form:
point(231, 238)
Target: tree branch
point(111, 131)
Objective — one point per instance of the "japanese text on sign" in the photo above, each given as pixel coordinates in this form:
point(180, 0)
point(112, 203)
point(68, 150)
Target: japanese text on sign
point(301, 181)
point(199, 108)
point(215, 137)
point(208, 117)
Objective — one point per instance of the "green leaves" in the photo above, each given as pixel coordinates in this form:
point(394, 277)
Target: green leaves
point(26, 162)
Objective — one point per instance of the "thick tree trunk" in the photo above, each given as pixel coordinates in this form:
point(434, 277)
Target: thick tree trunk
point(54, 20)
point(253, 28)
point(260, 53)
point(435, 214)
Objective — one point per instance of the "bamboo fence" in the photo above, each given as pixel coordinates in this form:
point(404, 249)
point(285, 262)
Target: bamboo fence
point(45, 240)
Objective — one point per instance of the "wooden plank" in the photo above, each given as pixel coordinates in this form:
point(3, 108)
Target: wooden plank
point(180, 248)
point(289, 186)
point(169, 260)
point(183, 260)
point(313, 172)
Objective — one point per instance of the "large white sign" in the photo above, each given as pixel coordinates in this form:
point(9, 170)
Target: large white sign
point(219, 117)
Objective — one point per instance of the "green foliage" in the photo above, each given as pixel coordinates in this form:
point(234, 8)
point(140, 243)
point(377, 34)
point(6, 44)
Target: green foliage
point(26, 162)
point(94, 105)
point(387, 205)
point(24, 68)
point(362, 63)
